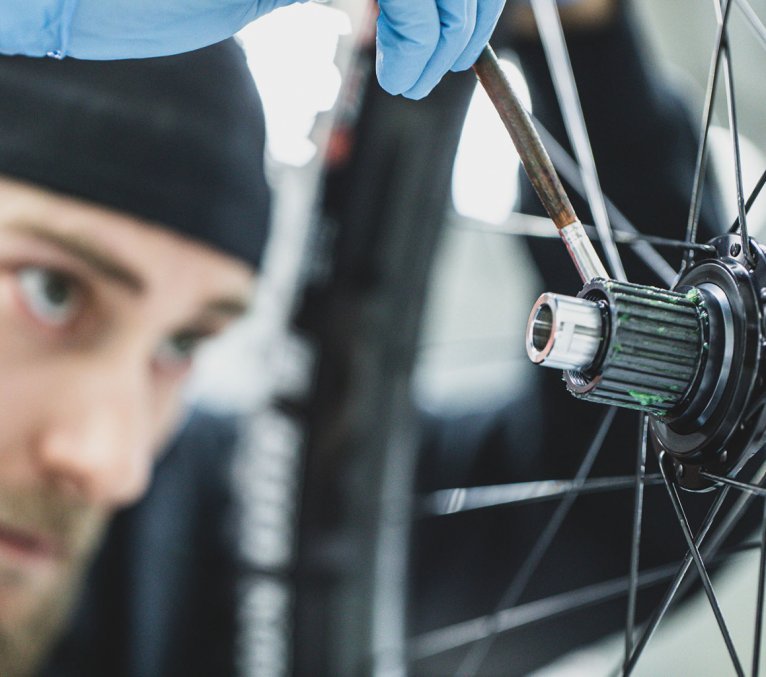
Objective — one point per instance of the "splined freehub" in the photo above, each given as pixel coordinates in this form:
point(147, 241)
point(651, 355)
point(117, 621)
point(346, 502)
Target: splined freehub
point(690, 358)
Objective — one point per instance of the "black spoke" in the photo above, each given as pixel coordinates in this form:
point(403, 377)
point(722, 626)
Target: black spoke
point(635, 548)
point(530, 225)
point(733, 129)
point(567, 167)
point(476, 629)
point(756, 191)
point(759, 607)
point(734, 515)
point(451, 501)
point(670, 595)
point(473, 660)
point(707, 116)
point(743, 486)
point(701, 570)
point(628, 238)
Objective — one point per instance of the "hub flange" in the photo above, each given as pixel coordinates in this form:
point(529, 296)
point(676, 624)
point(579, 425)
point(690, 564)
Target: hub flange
point(690, 357)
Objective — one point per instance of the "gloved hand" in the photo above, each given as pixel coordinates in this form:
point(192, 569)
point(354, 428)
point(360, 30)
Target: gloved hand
point(418, 40)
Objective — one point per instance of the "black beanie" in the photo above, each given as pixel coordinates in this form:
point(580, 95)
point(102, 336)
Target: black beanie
point(176, 140)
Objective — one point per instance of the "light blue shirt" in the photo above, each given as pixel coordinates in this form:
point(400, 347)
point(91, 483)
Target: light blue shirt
point(418, 40)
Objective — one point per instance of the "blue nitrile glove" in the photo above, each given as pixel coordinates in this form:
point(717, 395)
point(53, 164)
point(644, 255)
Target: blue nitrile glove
point(420, 40)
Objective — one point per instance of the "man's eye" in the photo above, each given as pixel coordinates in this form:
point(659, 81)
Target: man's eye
point(179, 349)
point(51, 296)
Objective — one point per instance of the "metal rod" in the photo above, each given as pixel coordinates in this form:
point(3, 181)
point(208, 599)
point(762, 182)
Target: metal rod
point(533, 156)
point(538, 166)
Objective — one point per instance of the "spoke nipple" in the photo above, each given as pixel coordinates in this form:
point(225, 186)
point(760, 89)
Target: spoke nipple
point(763, 293)
point(723, 455)
point(735, 249)
point(680, 471)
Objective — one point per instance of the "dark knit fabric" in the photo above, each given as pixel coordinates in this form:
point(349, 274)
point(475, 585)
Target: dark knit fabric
point(175, 140)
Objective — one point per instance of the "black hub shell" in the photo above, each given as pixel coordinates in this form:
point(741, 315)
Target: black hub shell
point(721, 422)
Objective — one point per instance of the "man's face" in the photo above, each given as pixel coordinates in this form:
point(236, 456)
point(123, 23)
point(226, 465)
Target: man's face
point(99, 316)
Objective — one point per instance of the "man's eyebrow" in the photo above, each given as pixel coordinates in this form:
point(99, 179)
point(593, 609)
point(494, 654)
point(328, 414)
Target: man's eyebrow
point(233, 306)
point(89, 254)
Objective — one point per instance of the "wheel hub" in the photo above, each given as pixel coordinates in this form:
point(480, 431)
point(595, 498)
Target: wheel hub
point(690, 357)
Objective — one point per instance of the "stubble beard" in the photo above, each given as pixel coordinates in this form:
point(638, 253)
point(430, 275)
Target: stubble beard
point(27, 638)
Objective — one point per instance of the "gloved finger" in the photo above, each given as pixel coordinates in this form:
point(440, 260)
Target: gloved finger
point(121, 29)
point(489, 12)
point(408, 33)
point(458, 21)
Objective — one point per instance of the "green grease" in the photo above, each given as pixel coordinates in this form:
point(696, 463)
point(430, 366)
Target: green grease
point(646, 399)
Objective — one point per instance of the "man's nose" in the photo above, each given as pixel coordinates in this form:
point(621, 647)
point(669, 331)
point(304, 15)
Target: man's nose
point(96, 440)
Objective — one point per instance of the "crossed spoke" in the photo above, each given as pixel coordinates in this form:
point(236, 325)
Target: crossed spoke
point(701, 570)
point(702, 151)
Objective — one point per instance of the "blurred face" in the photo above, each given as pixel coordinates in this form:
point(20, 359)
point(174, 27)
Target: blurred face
point(99, 317)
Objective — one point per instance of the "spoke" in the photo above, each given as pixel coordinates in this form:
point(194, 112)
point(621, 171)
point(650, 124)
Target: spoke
point(635, 548)
point(667, 242)
point(742, 486)
point(701, 163)
point(756, 191)
point(670, 595)
point(733, 129)
point(476, 629)
point(735, 514)
point(475, 657)
point(529, 225)
point(759, 607)
point(569, 170)
point(701, 570)
point(554, 44)
point(451, 501)
point(753, 20)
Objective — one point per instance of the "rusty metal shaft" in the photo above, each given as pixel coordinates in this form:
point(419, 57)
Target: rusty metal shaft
point(538, 165)
point(534, 157)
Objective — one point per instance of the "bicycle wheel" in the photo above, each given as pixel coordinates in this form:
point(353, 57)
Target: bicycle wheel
point(371, 600)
